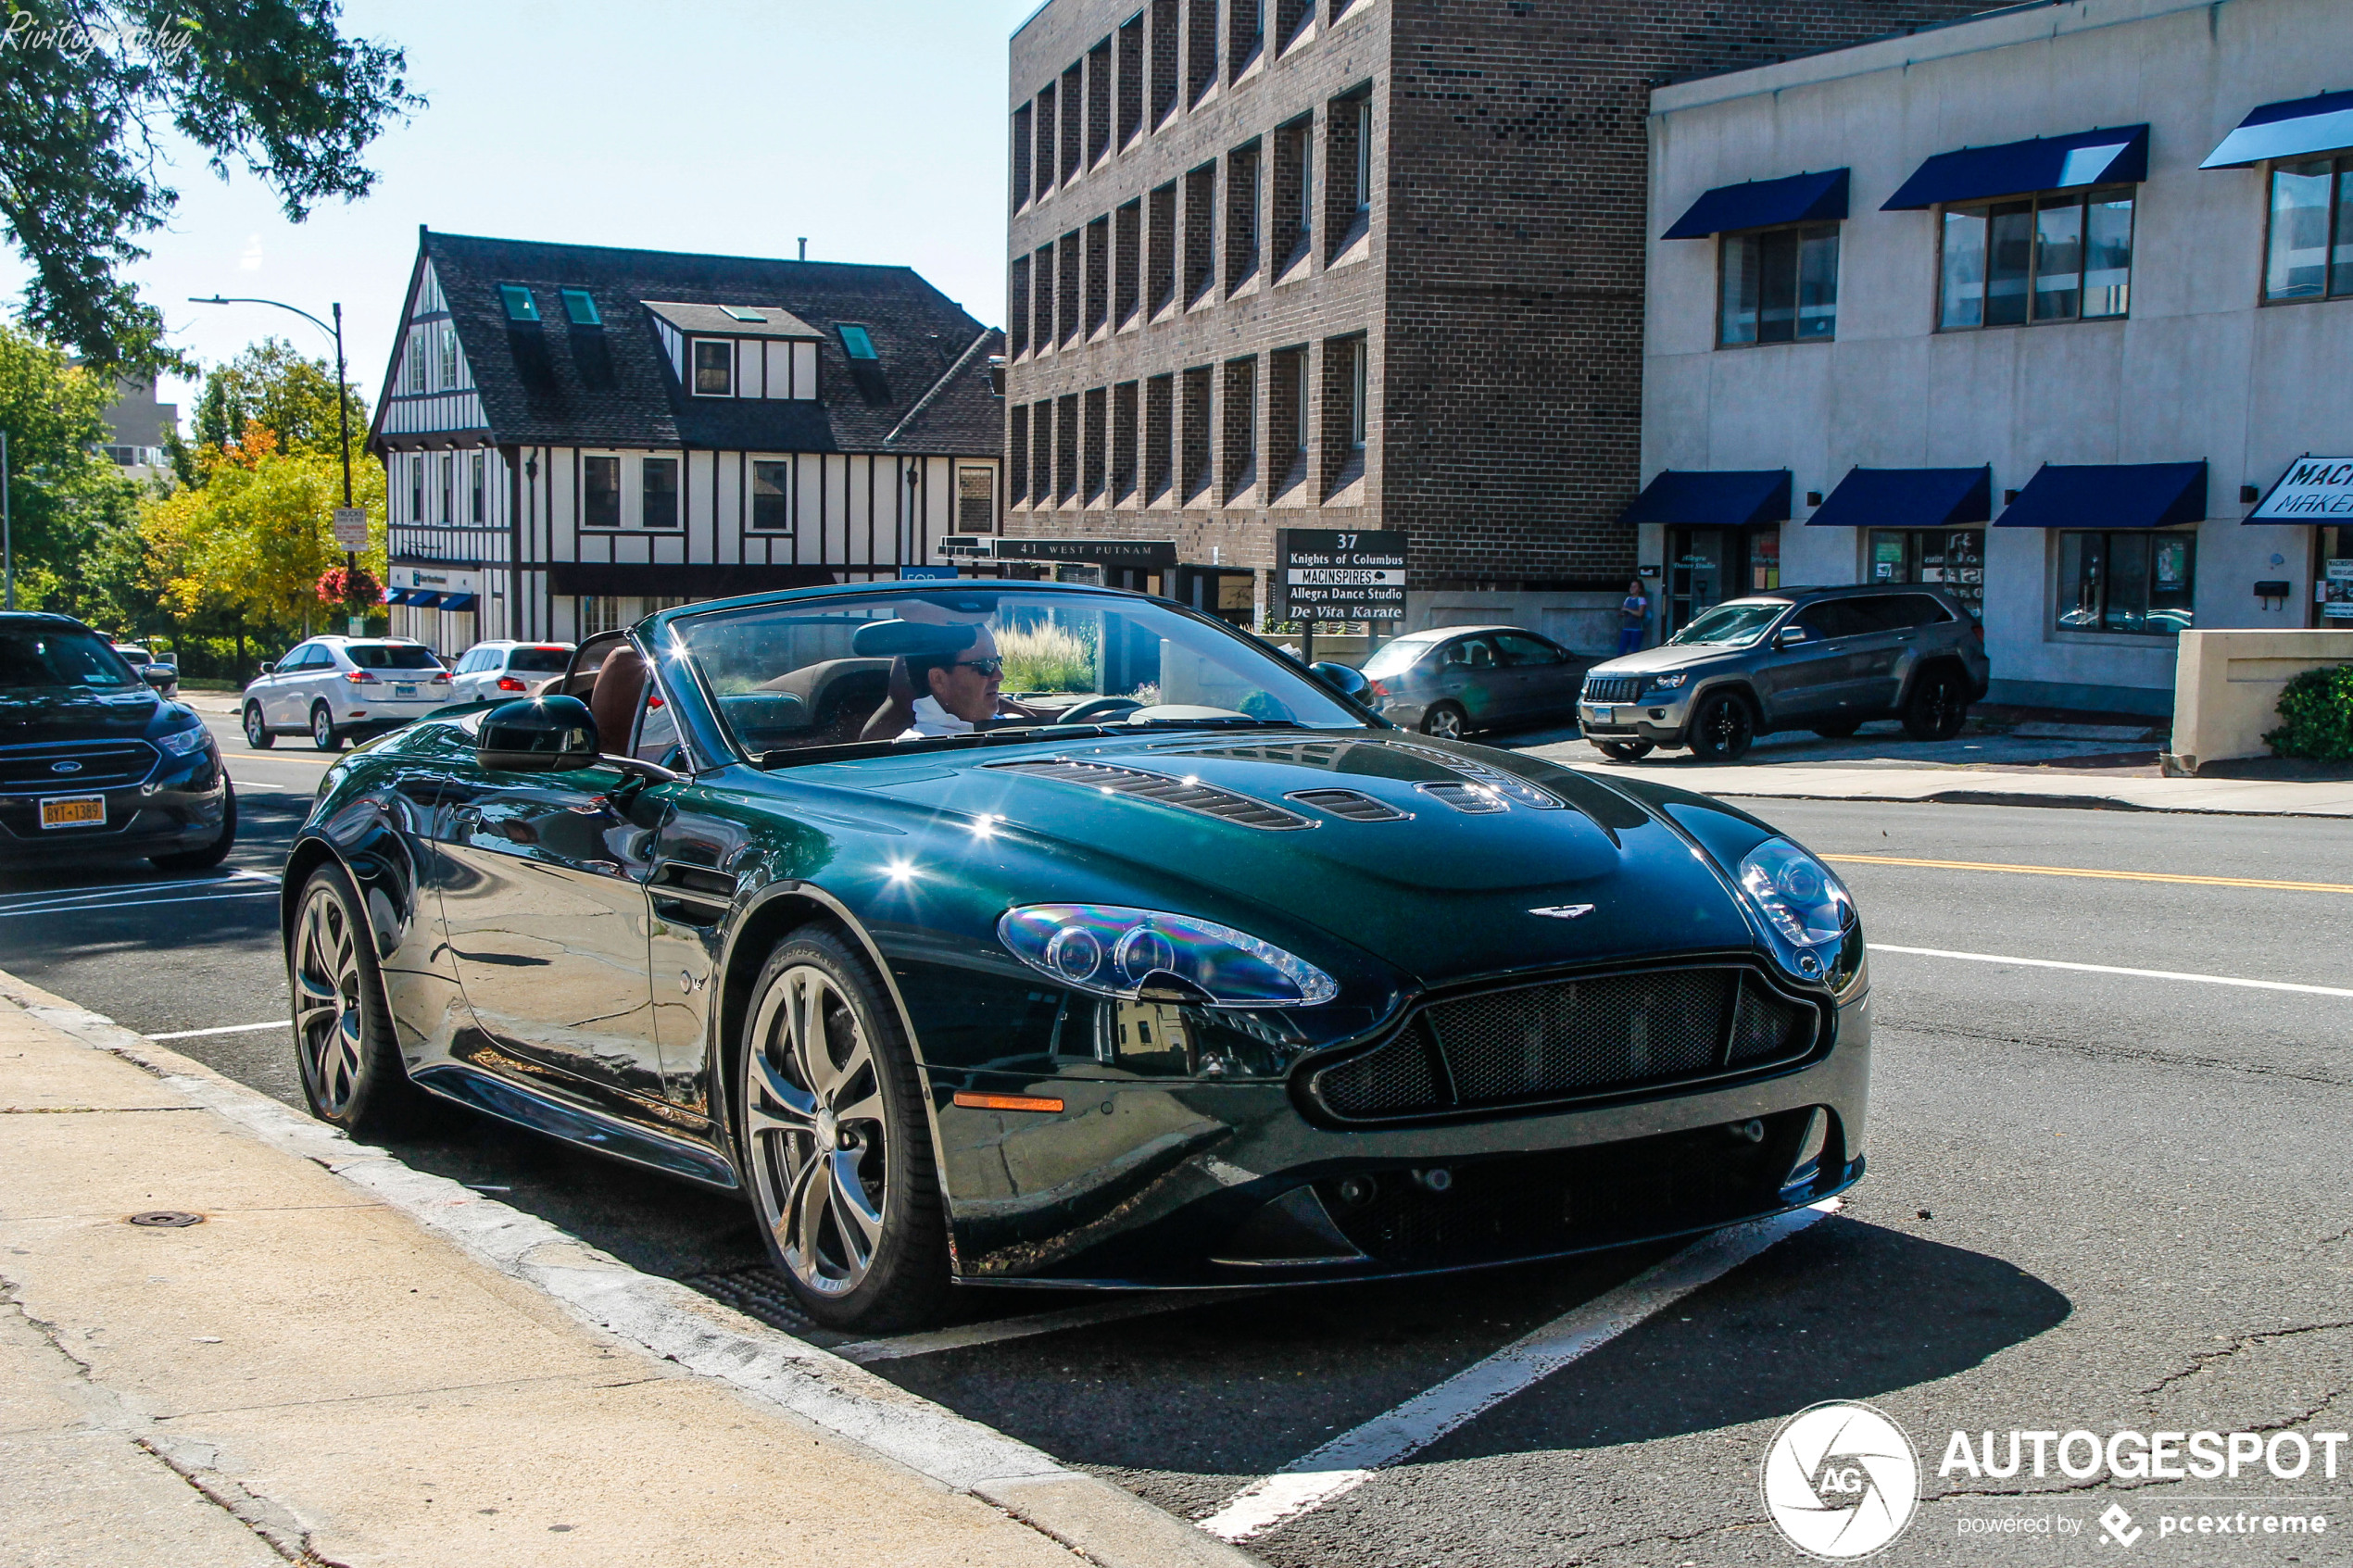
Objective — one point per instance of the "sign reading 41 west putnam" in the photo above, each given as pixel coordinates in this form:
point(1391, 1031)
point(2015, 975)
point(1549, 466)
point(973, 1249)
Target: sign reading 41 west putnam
point(1332, 574)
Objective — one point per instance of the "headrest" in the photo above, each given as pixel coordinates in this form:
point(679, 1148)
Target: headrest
point(912, 639)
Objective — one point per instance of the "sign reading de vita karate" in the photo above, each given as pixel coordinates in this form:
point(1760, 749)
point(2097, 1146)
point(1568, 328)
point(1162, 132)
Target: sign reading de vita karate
point(2313, 490)
point(1330, 574)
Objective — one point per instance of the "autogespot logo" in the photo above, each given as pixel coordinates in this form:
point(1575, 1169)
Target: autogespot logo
point(1841, 1481)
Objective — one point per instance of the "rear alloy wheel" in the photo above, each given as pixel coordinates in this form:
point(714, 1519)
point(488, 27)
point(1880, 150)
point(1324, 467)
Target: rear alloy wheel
point(1937, 707)
point(323, 729)
point(352, 1075)
point(1624, 750)
point(1722, 728)
point(836, 1144)
point(258, 734)
point(1445, 721)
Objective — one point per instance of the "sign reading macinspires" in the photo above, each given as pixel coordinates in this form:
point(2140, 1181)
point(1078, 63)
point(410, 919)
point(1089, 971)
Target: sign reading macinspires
point(2313, 489)
point(1334, 574)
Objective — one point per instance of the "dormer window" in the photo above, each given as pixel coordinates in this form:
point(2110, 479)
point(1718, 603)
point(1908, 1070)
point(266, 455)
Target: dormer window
point(743, 313)
point(714, 368)
point(580, 309)
point(856, 343)
point(520, 306)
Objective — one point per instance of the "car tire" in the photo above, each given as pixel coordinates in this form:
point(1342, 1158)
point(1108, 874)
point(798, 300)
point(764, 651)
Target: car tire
point(344, 1049)
point(212, 854)
point(1938, 706)
point(1624, 750)
point(1841, 730)
point(860, 1237)
point(323, 733)
point(258, 734)
point(1446, 721)
point(1723, 728)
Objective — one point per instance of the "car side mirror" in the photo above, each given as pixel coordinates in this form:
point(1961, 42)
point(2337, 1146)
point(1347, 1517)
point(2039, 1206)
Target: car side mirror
point(546, 734)
point(159, 677)
point(1789, 637)
point(1347, 681)
point(268, 668)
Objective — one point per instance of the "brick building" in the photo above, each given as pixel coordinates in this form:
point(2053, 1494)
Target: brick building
point(1355, 264)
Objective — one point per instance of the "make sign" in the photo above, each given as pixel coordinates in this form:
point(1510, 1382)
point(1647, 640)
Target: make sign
point(2313, 490)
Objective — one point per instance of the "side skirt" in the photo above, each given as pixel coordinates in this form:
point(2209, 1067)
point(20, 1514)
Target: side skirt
point(512, 1102)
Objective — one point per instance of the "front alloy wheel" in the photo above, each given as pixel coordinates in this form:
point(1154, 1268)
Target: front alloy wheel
point(323, 729)
point(258, 734)
point(1722, 728)
point(1444, 721)
point(837, 1145)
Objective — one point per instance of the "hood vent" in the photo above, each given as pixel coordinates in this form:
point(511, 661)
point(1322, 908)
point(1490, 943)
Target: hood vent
point(1511, 786)
point(1478, 801)
point(1186, 794)
point(1350, 804)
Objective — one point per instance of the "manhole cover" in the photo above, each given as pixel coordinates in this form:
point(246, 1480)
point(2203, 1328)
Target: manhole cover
point(167, 1219)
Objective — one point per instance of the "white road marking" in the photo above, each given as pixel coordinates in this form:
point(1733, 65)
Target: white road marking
point(1353, 1457)
point(112, 889)
point(2111, 969)
point(225, 1029)
point(83, 908)
point(867, 1351)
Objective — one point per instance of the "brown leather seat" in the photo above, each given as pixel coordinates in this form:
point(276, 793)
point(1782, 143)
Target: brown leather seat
point(621, 681)
point(897, 711)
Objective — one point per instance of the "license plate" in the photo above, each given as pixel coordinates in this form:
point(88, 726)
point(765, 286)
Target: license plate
point(1604, 715)
point(398, 690)
point(73, 811)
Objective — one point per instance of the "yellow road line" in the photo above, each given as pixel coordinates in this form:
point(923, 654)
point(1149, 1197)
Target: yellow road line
point(2089, 871)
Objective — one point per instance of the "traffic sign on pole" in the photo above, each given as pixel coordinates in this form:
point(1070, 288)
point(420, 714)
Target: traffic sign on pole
point(351, 528)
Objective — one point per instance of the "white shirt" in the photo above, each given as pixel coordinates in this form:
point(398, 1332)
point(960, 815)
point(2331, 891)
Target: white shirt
point(931, 718)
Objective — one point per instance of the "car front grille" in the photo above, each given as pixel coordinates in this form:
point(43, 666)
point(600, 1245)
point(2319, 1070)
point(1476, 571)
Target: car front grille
point(32, 769)
point(1570, 1039)
point(1613, 688)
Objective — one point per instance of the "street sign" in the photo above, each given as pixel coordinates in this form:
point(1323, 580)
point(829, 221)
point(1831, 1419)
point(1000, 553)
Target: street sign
point(1333, 574)
point(351, 528)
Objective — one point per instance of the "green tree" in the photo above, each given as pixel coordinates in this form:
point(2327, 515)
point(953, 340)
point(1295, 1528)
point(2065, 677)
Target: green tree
point(68, 504)
point(273, 385)
point(89, 87)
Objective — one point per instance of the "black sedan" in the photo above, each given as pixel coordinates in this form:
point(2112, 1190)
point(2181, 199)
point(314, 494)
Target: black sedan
point(1107, 949)
point(1451, 681)
point(93, 762)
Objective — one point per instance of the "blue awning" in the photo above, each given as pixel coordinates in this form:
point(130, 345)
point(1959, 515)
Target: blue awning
point(2118, 156)
point(1760, 204)
point(1907, 499)
point(399, 595)
point(1723, 498)
point(423, 599)
point(2109, 496)
point(2321, 124)
point(459, 601)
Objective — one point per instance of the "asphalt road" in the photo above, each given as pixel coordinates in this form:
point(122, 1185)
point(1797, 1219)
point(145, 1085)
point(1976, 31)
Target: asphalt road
point(2097, 1201)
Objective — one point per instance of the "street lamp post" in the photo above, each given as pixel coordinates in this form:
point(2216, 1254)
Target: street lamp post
point(7, 530)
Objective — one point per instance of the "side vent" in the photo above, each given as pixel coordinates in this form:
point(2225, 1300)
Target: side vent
point(1186, 794)
point(1350, 804)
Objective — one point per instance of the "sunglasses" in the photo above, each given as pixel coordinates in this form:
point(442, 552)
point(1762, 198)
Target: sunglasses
point(987, 669)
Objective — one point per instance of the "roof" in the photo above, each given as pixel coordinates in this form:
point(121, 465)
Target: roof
point(551, 383)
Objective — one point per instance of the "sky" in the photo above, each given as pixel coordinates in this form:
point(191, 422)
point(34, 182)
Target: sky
point(876, 128)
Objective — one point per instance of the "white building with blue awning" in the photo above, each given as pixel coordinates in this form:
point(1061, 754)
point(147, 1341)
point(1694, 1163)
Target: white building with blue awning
point(2042, 306)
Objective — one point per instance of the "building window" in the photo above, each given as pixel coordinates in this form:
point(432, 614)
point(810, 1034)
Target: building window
point(520, 306)
point(601, 613)
point(1200, 49)
point(771, 497)
point(478, 465)
point(1247, 20)
point(1066, 448)
point(1074, 132)
point(2062, 258)
point(1098, 103)
point(448, 483)
point(1160, 247)
point(447, 342)
point(1200, 229)
point(1291, 18)
point(1025, 157)
point(1131, 78)
point(659, 490)
point(1123, 442)
point(413, 362)
point(1041, 453)
point(856, 341)
point(1348, 170)
point(2312, 254)
point(1364, 108)
point(1287, 402)
point(1160, 436)
point(1017, 307)
point(1096, 409)
point(1017, 452)
point(976, 500)
point(714, 368)
point(1127, 263)
point(1164, 61)
point(1780, 285)
point(600, 491)
point(1099, 275)
point(1193, 438)
point(1952, 558)
point(1358, 362)
point(1293, 183)
point(1240, 421)
point(2139, 584)
point(417, 488)
point(1242, 215)
point(580, 309)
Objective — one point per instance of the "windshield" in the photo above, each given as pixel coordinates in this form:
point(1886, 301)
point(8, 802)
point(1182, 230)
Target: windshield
point(818, 672)
point(391, 656)
point(1732, 625)
point(1395, 659)
point(50, 660)
point(539, 662)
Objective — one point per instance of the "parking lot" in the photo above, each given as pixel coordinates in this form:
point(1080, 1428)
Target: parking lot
point(2096, 1199)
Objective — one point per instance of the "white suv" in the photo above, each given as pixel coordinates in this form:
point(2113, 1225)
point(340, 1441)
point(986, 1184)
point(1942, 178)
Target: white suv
point(492, 672)
point(332, 688)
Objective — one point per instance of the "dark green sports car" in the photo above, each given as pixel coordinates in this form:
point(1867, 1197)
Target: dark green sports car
point(1020, 934)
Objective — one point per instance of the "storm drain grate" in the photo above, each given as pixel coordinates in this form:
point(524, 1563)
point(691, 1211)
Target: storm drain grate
point(757, 1291)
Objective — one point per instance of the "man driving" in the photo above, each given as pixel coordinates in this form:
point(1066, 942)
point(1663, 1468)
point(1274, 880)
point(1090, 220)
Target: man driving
point(956, 688)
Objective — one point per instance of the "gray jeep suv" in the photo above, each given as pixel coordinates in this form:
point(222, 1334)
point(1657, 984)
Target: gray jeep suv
point(1824, 659)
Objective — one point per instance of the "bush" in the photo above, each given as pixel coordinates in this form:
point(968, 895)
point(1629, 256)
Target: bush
point(2316, 714)
point(1045, 659)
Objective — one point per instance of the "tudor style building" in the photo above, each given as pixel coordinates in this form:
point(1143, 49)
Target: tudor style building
point(575, 436)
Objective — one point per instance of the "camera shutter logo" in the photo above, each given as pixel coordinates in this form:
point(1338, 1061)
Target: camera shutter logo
point(1841, 1481)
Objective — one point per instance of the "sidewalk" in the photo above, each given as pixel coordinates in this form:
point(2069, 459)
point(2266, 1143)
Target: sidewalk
point(347, 1361)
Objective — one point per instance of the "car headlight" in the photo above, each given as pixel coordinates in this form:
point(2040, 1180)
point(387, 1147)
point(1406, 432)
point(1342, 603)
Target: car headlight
point(1112, 952)
point(1669, 683)
point(180, 742)
point(1808, 911)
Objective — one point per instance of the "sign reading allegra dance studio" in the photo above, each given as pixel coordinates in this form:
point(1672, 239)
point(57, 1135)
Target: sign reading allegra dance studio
point(2313, 490)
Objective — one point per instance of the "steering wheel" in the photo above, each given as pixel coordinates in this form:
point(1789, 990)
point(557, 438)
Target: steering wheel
point(1097, 711)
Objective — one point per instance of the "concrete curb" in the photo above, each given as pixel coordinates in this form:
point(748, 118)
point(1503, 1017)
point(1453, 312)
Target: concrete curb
point(2071, 802)
point(675, 1324)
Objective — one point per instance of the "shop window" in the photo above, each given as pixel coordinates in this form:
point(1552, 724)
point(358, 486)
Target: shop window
point(1780, 285)
point(1951, 558)
point(2139, 584)
point(600, 491)
point(2061, 257)
point(771, 497)
point(2336, 592)
point(2311, 250)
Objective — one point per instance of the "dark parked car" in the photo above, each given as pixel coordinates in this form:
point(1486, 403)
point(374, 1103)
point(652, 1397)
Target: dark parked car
point(1206, 975)
point(1826, 660)
point(94, 763)
point(1454, 680)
